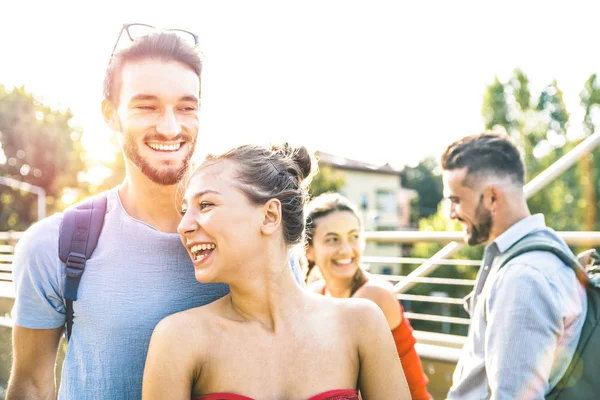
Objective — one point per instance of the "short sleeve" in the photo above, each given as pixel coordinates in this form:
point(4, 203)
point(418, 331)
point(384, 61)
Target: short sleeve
point(295, 264)
point(38, 277)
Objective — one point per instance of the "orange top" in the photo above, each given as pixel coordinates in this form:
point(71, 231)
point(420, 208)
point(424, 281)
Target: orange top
point(411, 363)
point(329, 395)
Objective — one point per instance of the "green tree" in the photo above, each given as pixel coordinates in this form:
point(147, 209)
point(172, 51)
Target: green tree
point(428, 184)
point(590, 164)
point(547, 142)
point(326, 180)
point(38, 146)
point(540, 128)
point(520, 89)
point(495, 109)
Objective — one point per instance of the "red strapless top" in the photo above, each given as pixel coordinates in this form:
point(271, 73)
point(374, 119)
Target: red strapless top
point(344, 394)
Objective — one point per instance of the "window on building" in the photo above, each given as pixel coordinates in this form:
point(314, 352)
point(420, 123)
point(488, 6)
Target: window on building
point(364, 201)
point(387, 201)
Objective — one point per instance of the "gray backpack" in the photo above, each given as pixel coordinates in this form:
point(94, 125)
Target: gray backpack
point(79, 233)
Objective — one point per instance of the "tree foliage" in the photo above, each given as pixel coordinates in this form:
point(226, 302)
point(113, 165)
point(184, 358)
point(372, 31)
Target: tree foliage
point(326, 180)
point(590, 165)
point(428, 184)
point(39, 147)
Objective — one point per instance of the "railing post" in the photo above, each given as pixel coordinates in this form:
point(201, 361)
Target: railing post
point(561, 165)
point(427, 267)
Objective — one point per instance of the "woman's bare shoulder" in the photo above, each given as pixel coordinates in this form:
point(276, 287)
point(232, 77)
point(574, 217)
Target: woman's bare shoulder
point(347, 314)
point(376, 283)
point(382, 293)
point(359, 314)
point(186, 325)
point(378, 290)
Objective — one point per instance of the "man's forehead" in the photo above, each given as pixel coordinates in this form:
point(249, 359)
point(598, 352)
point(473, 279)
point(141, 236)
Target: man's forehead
point(455, 177)
point(158, 78)
point(456, 181)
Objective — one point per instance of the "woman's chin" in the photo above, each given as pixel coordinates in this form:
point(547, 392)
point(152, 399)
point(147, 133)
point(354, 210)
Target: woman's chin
point(204, 276)
point(345, 271)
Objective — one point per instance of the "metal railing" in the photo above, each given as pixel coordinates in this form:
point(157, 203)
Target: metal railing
point(8, 240)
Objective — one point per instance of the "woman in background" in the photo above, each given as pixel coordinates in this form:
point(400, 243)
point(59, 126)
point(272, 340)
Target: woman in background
point(334, 244)
point(268, 338)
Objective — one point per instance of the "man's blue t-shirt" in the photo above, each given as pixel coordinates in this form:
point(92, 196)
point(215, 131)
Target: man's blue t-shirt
point(136, 277)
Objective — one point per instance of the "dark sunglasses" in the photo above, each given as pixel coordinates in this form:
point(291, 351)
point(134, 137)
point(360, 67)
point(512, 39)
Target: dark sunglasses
point(136, 31)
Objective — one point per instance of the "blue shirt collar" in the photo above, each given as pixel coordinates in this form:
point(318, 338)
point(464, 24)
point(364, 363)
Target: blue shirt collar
point(518, 230)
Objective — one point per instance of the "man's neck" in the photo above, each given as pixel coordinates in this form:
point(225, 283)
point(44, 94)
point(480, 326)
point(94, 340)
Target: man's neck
point(150, 202)
point(508, 219)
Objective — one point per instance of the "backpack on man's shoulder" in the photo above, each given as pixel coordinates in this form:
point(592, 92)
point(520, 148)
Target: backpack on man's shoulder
point(582, 378)
point(78, 237)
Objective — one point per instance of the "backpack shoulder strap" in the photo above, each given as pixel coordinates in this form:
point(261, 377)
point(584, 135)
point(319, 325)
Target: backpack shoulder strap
point(79, 232)
point(540, 241)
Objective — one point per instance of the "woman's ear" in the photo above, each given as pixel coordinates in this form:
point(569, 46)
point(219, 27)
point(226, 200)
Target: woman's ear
point(309, 253)
point(109, 112)
point(271, 217)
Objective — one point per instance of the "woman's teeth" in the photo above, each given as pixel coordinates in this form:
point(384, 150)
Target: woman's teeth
point(200, 251)
point(345, 261)
point(204, 246)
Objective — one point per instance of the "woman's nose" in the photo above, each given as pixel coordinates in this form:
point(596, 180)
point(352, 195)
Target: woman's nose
point(187, 225)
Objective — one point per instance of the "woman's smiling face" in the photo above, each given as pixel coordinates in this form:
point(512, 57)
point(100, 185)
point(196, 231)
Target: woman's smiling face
point(220, 227)
point(336, 245)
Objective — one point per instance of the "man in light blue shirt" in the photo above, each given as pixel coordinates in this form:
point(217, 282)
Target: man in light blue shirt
point(526, 318)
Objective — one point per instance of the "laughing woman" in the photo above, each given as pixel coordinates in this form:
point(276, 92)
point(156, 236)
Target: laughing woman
point(334, 244)
point(268, 338)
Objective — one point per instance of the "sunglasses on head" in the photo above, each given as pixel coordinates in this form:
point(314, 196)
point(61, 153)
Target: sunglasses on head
point(136, 31)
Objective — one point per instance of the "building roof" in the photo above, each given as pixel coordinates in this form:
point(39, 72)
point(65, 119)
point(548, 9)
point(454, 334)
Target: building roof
point(346, 163)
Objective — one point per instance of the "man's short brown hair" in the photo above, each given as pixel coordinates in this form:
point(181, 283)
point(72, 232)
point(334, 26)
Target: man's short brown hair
point(486, 153)
point(165, 46)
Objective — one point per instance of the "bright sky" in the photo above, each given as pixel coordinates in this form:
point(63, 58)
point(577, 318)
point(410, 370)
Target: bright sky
point(378, 81)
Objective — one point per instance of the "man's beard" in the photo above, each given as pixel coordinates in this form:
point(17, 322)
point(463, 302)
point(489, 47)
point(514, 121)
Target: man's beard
point(163, 176)
point(481, 226)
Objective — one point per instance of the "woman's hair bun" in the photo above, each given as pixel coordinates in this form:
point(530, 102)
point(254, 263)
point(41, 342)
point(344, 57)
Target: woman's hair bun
point(301, 162)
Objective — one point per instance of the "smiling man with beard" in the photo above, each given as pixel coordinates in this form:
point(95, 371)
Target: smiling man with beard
point(139, 272)
point(526, 317)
